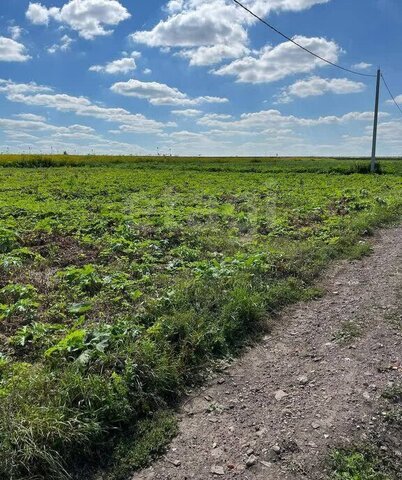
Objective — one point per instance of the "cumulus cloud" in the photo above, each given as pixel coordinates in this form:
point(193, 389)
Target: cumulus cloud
point(271, 64)
point(36, 95)
point(189, 112)
point(39, 14)
point(34, 130)
point(204, 56)
point(209, 31)
point(38, 124)
point(398, 100)
point(316, 86)
point(160, 93)
point(362, 66)
point(266, 119)
point(90, 18)
point(63, 46)
point(12, 51)
point(30, 117)
point(9, 87)
point(123, 65)
point(15, 31)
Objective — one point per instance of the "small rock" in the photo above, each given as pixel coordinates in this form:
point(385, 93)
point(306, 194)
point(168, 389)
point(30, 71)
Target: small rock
point(250, 451)
point(251, 461)
point(266, 464)
point(217, 470)
point(280, 395)
point(176, 463)
point(303, 380)
point(276, 449)
point(315, 425)
point(221, 381)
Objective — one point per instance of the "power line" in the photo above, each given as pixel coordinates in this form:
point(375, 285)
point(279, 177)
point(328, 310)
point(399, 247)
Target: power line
point(390, 93)
point(298, 44)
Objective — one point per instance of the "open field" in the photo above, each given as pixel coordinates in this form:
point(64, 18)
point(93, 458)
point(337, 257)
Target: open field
point(123, 279)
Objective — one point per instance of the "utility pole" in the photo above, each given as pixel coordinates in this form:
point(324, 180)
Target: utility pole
point(377, 101)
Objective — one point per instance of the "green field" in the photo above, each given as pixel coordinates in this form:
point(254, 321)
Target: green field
point(122, 281)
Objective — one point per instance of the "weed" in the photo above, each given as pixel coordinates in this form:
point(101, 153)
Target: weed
point(349, 331)
point(360, 464)
point(394, 393)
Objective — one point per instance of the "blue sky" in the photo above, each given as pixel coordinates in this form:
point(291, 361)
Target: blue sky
point(197, 77)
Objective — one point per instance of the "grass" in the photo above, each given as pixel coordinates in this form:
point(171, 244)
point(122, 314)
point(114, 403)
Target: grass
point(349, 331)
point(145, 443)
point(361, 464)
point(394, 393)
point(123, 280)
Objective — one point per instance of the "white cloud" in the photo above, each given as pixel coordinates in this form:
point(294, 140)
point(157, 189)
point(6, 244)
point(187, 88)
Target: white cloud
point(15, 31)
point(147, 71)
point(398, 100)
point(190, 112)
point(275, 63)
point(160, 94)
point(30, 117)
point(174, 6)
point(59, 138)
point(124, 65)
point(36, 123)
point(199, 23)
point(362, 66)
point(211, 118)
point(204, 56)
point(265, 119)
point(90, 18)
point(9, 87)
point(63, 46)
point(27, 94)
point(316, 86)
point(12, 51)
point(209, 31)
point(39, 14)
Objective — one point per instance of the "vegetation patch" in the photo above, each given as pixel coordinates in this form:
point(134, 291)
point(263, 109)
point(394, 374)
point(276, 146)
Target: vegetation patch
point(123, 280)
point(348, 332)
point(361, 464)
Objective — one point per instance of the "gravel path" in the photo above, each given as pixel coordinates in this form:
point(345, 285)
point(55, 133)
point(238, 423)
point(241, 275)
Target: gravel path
point(275, 412)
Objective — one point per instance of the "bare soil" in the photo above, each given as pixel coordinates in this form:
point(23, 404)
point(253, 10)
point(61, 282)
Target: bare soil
point(314, 383)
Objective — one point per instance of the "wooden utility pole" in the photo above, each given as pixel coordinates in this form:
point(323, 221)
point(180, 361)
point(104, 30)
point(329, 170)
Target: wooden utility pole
point(377, 102)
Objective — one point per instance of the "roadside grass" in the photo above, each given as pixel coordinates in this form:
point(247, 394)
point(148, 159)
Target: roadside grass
point(120, 286)
point(145, 443)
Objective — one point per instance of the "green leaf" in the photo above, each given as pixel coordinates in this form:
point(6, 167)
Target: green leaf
point(80, 308)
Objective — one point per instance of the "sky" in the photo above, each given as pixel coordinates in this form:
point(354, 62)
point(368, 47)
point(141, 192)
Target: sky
point(198, 77)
